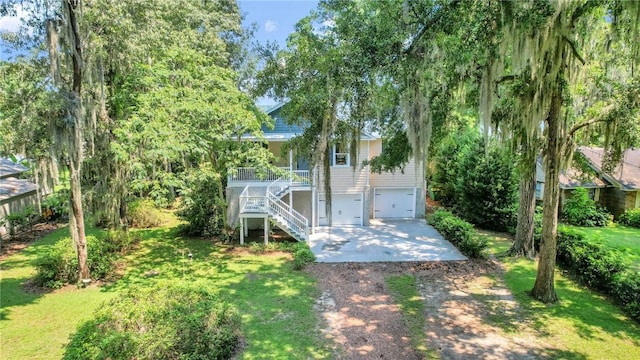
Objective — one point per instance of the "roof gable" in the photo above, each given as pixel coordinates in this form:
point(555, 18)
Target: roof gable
point(626, 175)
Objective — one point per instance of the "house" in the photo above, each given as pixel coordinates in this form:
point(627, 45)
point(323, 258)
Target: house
point(623, 189)
point(293, 198)
point(15, 194)
point(571, 179)
point(618, 190)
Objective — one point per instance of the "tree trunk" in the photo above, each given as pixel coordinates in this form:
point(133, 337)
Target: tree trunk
point(75, 140)
point(523, 243)
point(543, 288)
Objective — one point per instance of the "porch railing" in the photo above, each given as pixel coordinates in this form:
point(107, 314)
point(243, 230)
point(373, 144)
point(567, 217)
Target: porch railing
point(249, 174)
point(252, 203)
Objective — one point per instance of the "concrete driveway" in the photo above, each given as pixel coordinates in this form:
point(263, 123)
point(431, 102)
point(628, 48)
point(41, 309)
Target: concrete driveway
point(383, 240)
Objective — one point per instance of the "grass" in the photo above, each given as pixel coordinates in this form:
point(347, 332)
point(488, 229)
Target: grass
point(583, 323)
point(275, 302)
point(404, 291)
point(623, 238)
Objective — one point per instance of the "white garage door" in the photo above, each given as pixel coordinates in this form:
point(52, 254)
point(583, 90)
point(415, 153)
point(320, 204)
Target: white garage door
point(347, 209)
point(394, 203)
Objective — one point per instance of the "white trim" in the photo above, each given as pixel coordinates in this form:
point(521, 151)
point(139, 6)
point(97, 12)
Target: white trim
point(347, 157)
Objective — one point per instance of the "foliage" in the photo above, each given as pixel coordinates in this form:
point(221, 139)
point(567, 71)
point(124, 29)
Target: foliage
point(21, 219)
point(56, 206)
point(580, 210)
point(611, 334)
point(59, 266)
point(302, 256)
point(630, 217)
point(600, 268)
point(592, 264)
point(283, 324)
point(169, 321)
point(202, 206)
point(487, 187)
point(448, 156)
point(626, 291)
point(142, 213)
point(459, 232)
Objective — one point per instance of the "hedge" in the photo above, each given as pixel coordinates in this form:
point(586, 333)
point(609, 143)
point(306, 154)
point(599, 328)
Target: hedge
point(599, 268)
point(458, 232)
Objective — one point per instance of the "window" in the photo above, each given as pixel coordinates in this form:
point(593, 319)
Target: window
point(341, 155)
point(539, 186)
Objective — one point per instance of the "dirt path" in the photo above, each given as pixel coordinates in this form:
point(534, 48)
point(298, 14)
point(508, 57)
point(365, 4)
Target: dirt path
point(469, 312)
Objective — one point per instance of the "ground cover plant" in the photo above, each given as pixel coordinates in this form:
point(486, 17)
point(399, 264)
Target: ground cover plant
point(169, 321)
point(274, 301)
point(584, 322)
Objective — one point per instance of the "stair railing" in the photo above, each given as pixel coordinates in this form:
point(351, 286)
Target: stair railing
point(280, 210)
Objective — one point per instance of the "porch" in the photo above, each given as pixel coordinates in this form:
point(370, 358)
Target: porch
point(244, 175)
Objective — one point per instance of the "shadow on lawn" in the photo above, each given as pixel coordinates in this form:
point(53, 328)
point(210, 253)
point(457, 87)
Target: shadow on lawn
point(586, 309)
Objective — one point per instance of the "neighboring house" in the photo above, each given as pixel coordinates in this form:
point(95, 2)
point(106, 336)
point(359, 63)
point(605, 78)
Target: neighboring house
point(571, 179)
point(15, 194)
point(294, 199)
point(618, 190)
point(623, 190)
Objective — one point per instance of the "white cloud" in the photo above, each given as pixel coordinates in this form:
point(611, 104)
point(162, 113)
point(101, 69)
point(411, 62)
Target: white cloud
point(271, 26)
point(12, 23)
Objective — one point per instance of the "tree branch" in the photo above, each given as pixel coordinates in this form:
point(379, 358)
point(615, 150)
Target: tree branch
point(602, 117)
point(507, 78)
point(437, 15)
point(573, 49)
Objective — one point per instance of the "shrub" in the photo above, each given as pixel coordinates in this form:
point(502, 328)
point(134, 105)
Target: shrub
point(20, 220)
point(171, 321)
point(627, 292)
point(459, 232)
point(630, 217)
point(143, 214)
point(487, 187)
point(56, 206)
point(580, 210)
point(202, 207)
point(59, 266)
point(592, 264)
point(302, 256)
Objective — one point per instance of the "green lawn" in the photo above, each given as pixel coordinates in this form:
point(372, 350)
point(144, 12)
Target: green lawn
point(275, 302)
point(624, 238)
point(584, 323)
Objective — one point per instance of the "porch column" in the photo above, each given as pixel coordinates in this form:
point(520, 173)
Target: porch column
point(246, 227)
point(242, 227)
point(313, 208)
point(290, 165)
point(266, 230)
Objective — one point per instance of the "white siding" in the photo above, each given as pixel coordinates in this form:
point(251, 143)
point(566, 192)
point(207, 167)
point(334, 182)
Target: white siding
point(411, 176)
point(346, 179)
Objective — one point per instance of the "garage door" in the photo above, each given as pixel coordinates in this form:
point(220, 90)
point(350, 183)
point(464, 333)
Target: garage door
point(347, 209)
point(394, 203)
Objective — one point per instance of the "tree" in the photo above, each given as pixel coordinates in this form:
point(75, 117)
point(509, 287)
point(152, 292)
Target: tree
point(545, 58)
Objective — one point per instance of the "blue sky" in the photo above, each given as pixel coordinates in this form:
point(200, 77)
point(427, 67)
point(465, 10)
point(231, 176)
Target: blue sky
point(275, 18)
